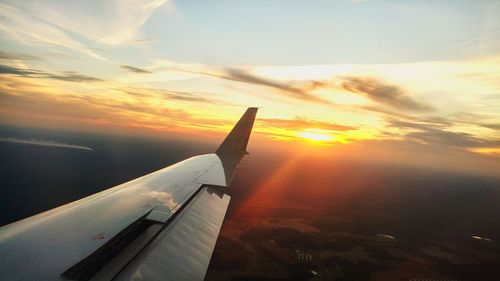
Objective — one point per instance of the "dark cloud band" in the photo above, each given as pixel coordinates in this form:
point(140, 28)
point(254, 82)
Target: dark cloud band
point(69, 76)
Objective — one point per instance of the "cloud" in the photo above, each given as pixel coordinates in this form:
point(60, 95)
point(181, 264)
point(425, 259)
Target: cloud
point(45, 143)
point(112, 22)
point(17, 56)
point(185, 96)
point(69, 76)
point(475, 41)
point(288, 81)
point(476, 119)
point(295, 92)
point(24, 24)
point(305, 90)
point(173, 95)
point(492, 126)
point(4, 69)
point(72, 76)
point(85, 111)
point(135, 69)
point(59, 23)
point(300, 123)
point(440, 135)
point(40, 104)
point(240, 75)
point(383, 93)
point(143, 41)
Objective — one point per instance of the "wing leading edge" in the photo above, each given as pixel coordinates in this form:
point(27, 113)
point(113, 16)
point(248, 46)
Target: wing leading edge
point(162, 226)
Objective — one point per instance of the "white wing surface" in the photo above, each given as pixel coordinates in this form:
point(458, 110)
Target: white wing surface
point(162, 226)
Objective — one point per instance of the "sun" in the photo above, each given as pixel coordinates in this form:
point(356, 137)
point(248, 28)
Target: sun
point(315, 135)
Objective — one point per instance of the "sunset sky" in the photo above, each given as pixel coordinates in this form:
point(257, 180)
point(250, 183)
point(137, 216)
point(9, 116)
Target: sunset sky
point(402, 81)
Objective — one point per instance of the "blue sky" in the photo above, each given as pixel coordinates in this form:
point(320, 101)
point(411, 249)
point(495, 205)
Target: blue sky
point(273, 32)
point(322, 32)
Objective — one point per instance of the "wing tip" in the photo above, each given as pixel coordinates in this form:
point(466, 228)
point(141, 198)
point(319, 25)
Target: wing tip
point(234, 146)
point(236, 141)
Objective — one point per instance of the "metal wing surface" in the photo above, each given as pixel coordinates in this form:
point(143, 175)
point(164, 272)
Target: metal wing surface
point(162, 226)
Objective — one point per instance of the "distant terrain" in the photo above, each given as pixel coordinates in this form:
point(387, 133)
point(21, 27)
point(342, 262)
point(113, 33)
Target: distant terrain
point(378, 222)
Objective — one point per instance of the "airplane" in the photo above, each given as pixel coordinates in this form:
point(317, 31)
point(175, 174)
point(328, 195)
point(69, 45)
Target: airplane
point(161, 226)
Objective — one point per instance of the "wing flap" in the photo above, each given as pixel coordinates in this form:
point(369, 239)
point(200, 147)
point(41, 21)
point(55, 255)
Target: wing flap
point(182, 251)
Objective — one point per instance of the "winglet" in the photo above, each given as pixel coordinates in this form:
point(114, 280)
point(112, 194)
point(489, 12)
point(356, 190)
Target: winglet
point(237, 140)
point(234, 146)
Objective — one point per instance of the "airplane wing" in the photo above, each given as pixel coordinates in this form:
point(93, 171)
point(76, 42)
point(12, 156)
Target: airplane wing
point(162, 226)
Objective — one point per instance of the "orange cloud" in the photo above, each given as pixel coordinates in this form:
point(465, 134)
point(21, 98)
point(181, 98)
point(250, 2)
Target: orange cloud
point(301, 123)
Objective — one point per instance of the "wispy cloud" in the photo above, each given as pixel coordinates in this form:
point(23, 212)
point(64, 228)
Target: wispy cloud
point(474, 119)
point(24, 22)
point(474, 40)
point(69, 76)
point(17, 56)
point(40, 103)
point(183, 96)
point(366, 96)
point(440, 134)
point(107, 23)
point(243, 75)
point(301, 123)
point(492, 126)
point(143, 41)
point(49, 143)
point(135, 69)
point(295, 92)
point(384, 93)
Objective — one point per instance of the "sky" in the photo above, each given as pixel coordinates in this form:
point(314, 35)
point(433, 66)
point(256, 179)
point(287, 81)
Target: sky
point(413, 82)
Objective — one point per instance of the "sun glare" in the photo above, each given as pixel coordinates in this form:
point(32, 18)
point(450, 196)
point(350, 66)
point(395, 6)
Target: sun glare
point(315, 135)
